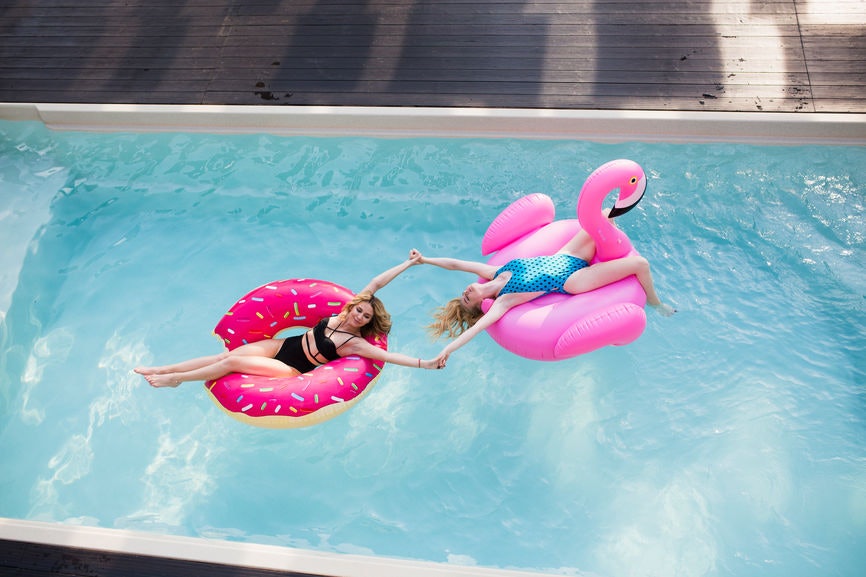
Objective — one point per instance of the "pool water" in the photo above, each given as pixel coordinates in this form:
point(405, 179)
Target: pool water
point(726, 440)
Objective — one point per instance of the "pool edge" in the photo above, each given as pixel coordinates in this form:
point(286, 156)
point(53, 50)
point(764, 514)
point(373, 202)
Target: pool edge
point(595, 125)
point(234, 554)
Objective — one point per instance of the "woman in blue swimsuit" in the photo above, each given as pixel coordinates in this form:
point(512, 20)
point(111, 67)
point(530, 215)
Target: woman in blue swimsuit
point(521, 280)
point(332, 338)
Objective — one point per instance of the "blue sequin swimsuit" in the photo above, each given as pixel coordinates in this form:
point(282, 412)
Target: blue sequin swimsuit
point(545, 274)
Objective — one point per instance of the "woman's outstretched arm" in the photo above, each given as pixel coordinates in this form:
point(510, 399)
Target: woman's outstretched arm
point(363, 348)
point(481, 269)
point(499, 307)
point(383, 278)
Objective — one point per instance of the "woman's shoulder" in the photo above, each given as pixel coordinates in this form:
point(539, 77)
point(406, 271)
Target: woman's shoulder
point(357, 345)
point(489, 271)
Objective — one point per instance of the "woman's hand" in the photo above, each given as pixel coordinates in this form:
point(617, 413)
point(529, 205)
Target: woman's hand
point(442, 359)
point(416, 256)
point(429, 364)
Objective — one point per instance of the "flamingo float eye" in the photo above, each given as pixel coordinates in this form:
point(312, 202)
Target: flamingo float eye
point(633, 180)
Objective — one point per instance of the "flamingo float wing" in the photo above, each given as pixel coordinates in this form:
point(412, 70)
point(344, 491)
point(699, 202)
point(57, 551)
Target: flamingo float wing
point(521, 217)
point(617, 324)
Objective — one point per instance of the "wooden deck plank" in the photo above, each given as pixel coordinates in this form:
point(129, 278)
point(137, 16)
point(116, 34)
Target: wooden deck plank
point(557, 45)
point(311, 71)
point(253, 64)
point(443, 17)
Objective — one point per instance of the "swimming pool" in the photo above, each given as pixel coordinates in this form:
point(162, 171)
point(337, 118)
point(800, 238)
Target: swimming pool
point(725, 441)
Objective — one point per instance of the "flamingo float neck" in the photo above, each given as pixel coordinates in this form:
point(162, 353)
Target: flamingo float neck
point(628, 177)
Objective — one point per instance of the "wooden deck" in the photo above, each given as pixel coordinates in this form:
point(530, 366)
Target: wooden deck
point(38, 560)
point(721, 55)
point(40, 549)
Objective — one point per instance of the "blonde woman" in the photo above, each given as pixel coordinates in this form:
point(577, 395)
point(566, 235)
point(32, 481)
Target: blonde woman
point(332, 338)
point(521, 280)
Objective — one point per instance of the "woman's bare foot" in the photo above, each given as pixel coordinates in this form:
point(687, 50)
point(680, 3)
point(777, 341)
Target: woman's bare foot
point(160, 381)
point(147, 370)
point(664, 310)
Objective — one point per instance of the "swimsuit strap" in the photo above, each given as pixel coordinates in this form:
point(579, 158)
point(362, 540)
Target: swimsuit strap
point(320, 356)
point(337, 330)
point(310, 349)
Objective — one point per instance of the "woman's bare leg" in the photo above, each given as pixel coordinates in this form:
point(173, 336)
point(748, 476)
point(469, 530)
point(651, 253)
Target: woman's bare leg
point(183, 366)
point(603, 273)
point(255, 358)
point(247, 364)
point(580, 245)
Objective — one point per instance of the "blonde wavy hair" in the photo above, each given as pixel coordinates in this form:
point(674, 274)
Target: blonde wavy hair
point(453, 318)
point(380, 324)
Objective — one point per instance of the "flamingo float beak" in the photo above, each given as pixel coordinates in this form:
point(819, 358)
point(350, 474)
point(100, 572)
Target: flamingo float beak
point(629, 196)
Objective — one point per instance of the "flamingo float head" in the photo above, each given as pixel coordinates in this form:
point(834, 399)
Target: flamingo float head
point(631, 190)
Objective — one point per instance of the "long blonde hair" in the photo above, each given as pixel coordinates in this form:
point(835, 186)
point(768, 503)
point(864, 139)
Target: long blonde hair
point(453, 318)
point(380, 324)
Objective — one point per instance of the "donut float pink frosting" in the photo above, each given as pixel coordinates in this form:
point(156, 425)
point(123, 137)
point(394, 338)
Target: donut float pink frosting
point(292, 402)
point(556, 326)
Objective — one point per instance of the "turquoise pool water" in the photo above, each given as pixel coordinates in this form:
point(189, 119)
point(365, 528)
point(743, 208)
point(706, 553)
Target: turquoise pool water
point(727, 440)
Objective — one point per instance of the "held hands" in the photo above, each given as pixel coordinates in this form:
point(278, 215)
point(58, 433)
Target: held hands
point(441, 360)
point(429, 364)
point(416, 257)
point(437, 363)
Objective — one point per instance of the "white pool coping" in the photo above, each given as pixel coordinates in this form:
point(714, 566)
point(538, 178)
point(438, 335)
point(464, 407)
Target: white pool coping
point(235, 554)
point(400, 122)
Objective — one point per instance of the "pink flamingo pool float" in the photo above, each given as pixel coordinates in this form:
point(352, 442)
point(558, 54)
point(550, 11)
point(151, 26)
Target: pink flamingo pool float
point(556, 326)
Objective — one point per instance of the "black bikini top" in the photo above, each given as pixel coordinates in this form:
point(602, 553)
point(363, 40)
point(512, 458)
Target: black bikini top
point(324, 344)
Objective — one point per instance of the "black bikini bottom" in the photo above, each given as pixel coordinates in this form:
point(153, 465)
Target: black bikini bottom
point(292, 354)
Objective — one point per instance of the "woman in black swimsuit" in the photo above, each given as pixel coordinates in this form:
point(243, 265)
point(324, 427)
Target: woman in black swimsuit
point(332, 338)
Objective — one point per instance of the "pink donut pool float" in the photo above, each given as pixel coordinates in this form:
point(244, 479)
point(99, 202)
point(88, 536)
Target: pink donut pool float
point(557, 326)
point(291, 402)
